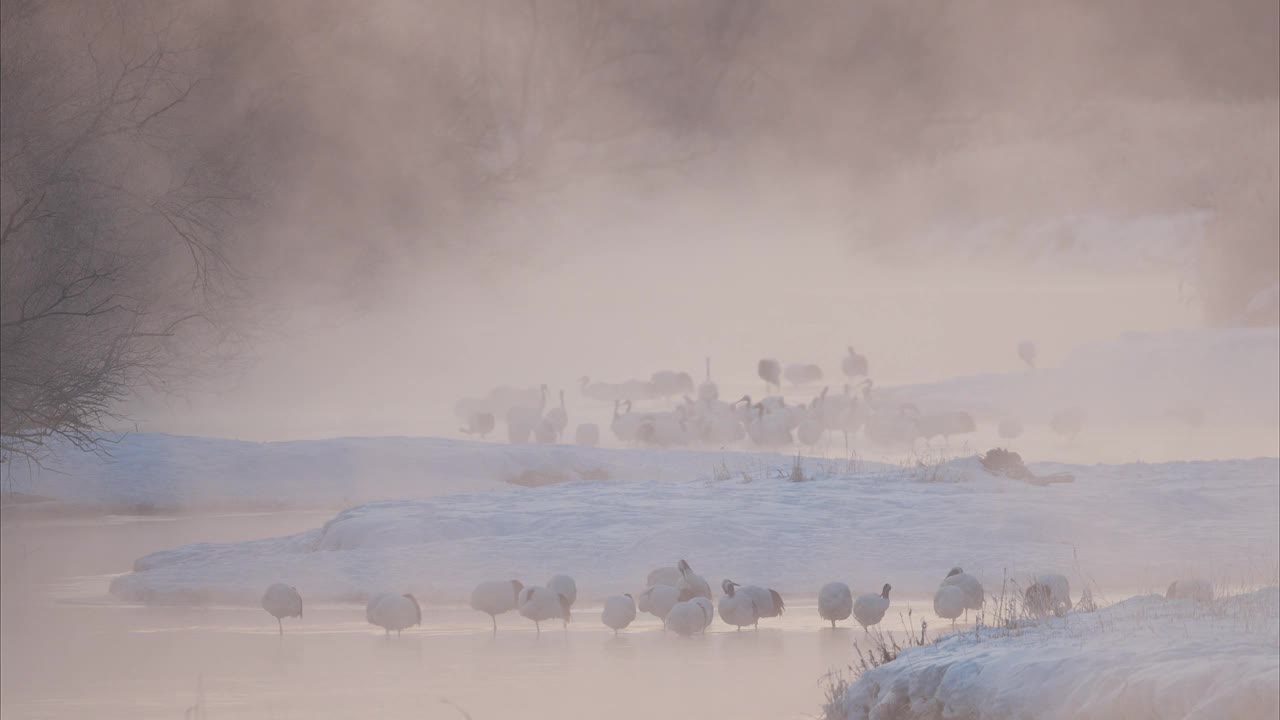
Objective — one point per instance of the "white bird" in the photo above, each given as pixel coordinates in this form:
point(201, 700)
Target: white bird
point(657, 600)
point(1009, 429)
point(625, 425)
point(775, 403)
point(1195, 589)
point(688, 618)
point(1058, 589)
point(835, 602)
point(544, 433)
point(669, 575)
point(1027, 351)
point(522, 420)
point(767, 602)
point(974, 595)
point(669, 383)
point(770, 371)
point(664, 429)
point(899, 429)
point(736, 608)
point(497, 402)
point(1038, 600)
point(869, 609)
point(372, 603)
point(619, 611)
point(480, 423)
point(540, 604)
point(715, 422)
point(854, 365)
point(282, 601)
point(709, 610)
point(587, 435)
point(948, 602)
point(770, 429)
point(691, 581)
point(708, 392)
point(845, 413)
point(496, 597)
point(831, 410)
point(812, 425)
point(394, 612)
point(564, 585)
point(803, 374)
point(559, 417)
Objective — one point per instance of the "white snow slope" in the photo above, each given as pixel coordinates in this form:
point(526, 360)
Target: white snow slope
point(1145, 657)
point(1132, 527)
point(1232, 375)
point(161, 473)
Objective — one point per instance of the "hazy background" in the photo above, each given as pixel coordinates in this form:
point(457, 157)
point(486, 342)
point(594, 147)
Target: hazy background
point(437, 197)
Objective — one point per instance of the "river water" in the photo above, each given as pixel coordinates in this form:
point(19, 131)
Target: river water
point(69, 650)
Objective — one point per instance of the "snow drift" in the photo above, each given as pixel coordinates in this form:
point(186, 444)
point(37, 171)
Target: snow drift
point(1144, 657)
point(1128, 527)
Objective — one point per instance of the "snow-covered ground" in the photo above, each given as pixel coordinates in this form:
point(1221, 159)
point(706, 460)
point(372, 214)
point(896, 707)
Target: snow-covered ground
point(1146, 657)
point(1126, 528)
point(1231, 375)
point(164, 473)
point(1161, 396)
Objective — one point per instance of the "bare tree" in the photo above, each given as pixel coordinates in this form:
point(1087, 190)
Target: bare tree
point(553, 92)
point(113, 220)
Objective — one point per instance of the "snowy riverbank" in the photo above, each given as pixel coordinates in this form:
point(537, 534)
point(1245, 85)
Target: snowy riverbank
point(172, 473)
point(1123, 527)
point(1144, 657)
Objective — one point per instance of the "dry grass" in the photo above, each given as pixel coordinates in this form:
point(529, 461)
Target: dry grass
point(882, 648)
point(930, 464)
point(835, 684)
point(797, 470)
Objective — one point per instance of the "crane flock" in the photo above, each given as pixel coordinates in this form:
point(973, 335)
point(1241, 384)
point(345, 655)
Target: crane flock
point(670, 410)
point(676, 595)
point(683, 601)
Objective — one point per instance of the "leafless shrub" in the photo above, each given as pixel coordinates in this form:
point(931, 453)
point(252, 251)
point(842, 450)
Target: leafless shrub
point(835, 684)
point(113, 223)
point(930, 465)
point(883, 648)
point(797, 470)
point(720, 473)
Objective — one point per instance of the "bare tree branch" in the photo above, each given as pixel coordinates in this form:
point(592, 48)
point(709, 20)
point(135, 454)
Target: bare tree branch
point(91, 303)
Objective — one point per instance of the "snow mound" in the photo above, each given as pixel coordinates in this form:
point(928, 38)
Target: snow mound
point(1125, 524)
point(1144, 657)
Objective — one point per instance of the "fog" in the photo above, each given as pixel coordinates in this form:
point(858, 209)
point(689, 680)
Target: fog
point(588, 317)
point(608, 191)
point(333, 221)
